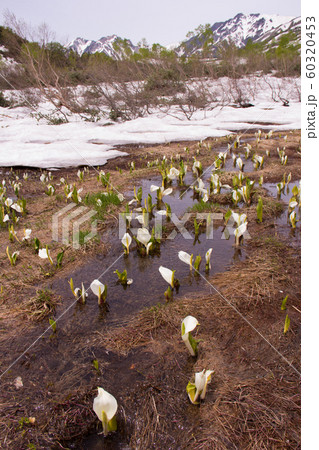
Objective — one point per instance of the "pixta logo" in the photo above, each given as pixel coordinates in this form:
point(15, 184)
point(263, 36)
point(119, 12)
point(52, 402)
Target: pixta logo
point(69, 220)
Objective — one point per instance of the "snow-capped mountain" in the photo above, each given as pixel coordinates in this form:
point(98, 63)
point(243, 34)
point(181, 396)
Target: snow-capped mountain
point(257, 27)
point(112, 46)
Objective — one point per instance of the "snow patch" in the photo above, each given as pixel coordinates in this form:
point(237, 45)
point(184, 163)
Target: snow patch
point(26, 142)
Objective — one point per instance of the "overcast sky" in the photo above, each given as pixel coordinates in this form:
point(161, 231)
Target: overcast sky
point(162, 21)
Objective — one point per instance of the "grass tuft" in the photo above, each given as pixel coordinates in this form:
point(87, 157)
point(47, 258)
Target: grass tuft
point(41, 305)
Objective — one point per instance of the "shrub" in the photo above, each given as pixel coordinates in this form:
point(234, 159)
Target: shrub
point(3, 102)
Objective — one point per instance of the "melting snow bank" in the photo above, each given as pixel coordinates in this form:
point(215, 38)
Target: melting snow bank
point(26, 142)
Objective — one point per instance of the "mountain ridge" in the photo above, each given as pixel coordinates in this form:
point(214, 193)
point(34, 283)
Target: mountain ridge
point(239, 29)
point(255, 26)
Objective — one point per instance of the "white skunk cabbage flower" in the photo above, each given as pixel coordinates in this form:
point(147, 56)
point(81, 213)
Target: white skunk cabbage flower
point(258, 161)
point(6, 218)
point(144, 237)
point(168, 275)
point(247, 151)
point(198, 389)
point(142, 219)
point(239, 231)
point(239, 218)
point(268, 136)
point(201, 185)
point(162, 191)
point(8, 202)
point(280, 187)
point(222, 155)
point(27, 234)
point(51, 190)
point(197, 167)
point(155, 188)
point(105, 407)
point(205, 198)
point(44, 253)
point(293, 219)
point(80, 293)
point(292, 203)
point(208, 254)
point(99, 290)
point(215, 184)
point(201, 189)
point(239, 163)
point(17, 208)
point(126, 241)
point(189, 324)
point(186, 258)
point(173, 173)
point(236, 195)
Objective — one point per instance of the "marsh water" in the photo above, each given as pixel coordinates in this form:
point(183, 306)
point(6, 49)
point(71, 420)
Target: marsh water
point(281, 222)
point(148, 286)
point(59, 356)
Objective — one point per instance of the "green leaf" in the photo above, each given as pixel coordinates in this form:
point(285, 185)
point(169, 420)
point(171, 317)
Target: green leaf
point(287, 324)
point(37, 245)
point(295, 191)
point(112, 424)
point(72, 286)
point(103, 296)
point(283, 304)
point(260, 210)
point(228, 215)
point(52, 322)
point(60, 258)
point(197, 262)
point(196, 227)
point(194, 343)
point(139, 194)
point(235, 181)
point(191, 391)
point(168, 294)
point(122, 276)
point(96, 364)
point(168, 209)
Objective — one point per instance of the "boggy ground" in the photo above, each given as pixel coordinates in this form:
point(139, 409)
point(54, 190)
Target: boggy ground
point(253, 401)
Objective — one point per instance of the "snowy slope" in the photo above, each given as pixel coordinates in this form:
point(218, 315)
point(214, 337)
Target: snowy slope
point(26, 142)
point(242, 27)
point(293, 25)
